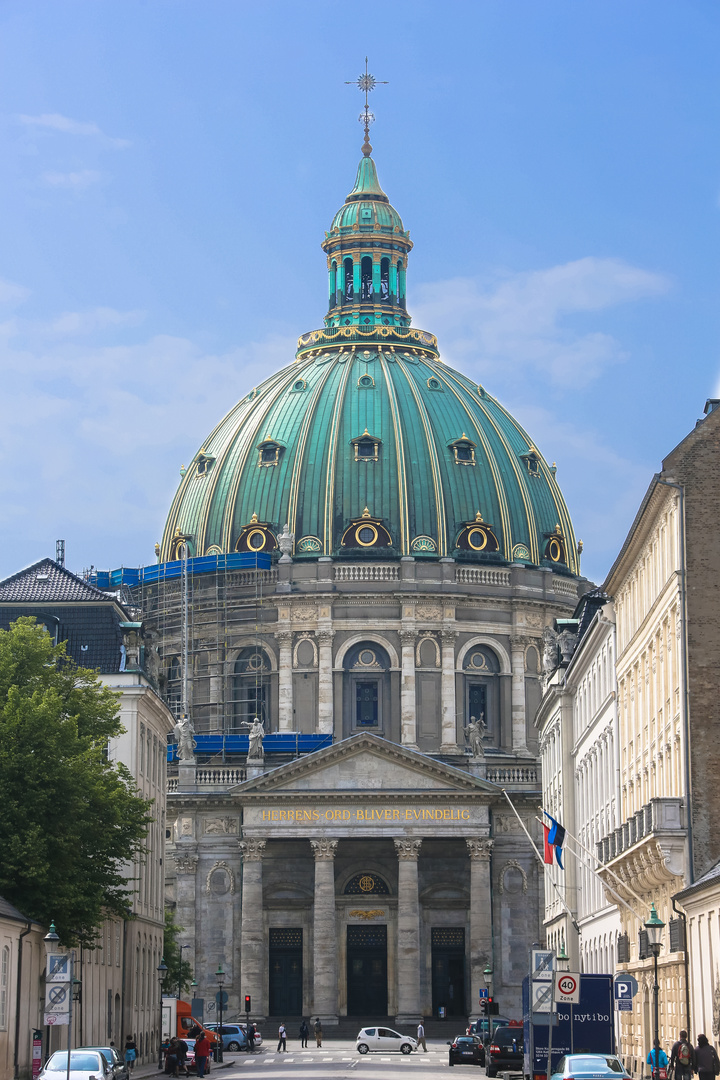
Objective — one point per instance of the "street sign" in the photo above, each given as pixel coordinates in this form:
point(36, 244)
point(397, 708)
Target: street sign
point(483, 992)
point(210, 1007)
point(57, 998)
point(567, 988)
point(625, 988)
point(52, 1019)
point(58, 968)
point(541, 965)
point(221, 998)
point(542, 995)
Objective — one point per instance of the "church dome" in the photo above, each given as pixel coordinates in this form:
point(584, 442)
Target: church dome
point(368, 446)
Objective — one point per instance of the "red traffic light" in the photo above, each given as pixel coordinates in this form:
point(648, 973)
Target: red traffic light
point(247, 1003)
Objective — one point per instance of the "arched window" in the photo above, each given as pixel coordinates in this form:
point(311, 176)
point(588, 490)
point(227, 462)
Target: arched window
point(385, 281)
point(366, 279)
point(367, 688)
point(333, 284)
point(349, 290)
point(482, 690)
point(251, 688)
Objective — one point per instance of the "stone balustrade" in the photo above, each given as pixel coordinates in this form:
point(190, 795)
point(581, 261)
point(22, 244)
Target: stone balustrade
point(368, 572)
point(512, 774)
point(482, 575)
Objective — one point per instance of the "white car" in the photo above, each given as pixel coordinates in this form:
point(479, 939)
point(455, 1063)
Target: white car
point(384, 1040)
point(83, 1065)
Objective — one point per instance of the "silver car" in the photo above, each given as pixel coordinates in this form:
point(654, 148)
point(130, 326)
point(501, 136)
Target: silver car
point(110, 1053)
point(83, 1065)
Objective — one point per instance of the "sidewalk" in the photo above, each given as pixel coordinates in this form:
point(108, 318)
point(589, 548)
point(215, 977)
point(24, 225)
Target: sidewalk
point(142, 1072)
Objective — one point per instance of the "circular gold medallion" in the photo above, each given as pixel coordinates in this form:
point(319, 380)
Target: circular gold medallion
point(367, 883)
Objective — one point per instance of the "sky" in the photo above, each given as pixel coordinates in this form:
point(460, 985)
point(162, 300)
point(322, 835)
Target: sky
point(168, 169)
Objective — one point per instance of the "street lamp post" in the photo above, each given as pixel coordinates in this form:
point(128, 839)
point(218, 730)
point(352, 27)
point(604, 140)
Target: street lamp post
point(655, 927)
point(488, 980)
point(162, 971)
point(220, 977)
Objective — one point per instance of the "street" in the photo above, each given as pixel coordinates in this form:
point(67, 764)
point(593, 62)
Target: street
point(342, 1059)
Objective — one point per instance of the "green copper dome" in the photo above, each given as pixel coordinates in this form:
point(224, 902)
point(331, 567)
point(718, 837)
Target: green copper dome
point(368, 446)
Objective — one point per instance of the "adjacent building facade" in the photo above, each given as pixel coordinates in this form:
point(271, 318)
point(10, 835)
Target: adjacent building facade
point(120, 989)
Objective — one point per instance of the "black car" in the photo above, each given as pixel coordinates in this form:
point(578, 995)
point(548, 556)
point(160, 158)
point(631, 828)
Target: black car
point(467, 1050)
point(505, 1050)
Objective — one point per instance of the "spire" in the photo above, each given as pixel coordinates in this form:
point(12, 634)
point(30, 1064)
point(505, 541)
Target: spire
point(365, 84)
point(367, 185)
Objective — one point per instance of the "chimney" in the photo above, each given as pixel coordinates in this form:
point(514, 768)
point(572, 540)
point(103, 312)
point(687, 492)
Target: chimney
point(711, 404)
point(60, 552)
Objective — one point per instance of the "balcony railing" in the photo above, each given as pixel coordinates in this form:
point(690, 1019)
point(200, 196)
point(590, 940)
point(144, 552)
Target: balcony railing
point(657, 816)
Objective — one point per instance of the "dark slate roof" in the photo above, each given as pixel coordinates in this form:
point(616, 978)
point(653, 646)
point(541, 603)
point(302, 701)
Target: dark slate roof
point(710, 877)
point(46, 582)
point(7, 911)
point(588, 606)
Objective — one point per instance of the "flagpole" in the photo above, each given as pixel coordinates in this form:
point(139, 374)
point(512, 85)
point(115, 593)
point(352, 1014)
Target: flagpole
point(592, 871)
point(606, 868)
point(541, 860)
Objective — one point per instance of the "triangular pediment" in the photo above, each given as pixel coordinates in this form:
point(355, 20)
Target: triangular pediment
point(366, 763)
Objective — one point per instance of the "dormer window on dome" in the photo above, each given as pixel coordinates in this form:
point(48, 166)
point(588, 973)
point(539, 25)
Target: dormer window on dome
point(204, 463)
point(366, 532)
point(269, 452)
point(367, 447)
point(478, 535)
point(463, 450)
point(181, 546)
point(256, 536)
point(532, 461)
point(555, 549)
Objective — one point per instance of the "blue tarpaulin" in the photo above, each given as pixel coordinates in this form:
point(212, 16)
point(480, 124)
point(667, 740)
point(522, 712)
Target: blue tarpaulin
point(276, 742)
point(203, 564)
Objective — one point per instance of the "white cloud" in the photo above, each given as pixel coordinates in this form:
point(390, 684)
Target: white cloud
point(519, 320)
point(74, 180)
point(75, 323)
point(64, 124)
point(11, 294)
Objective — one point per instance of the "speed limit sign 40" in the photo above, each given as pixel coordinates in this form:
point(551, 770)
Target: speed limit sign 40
point(567, 988)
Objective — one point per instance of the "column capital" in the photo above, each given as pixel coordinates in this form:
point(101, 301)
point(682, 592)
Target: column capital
point(448, 636)
point(478, 848)
point(284, 638)
point(325, 637)
point(522, 641)
point(324, 849)
point(407, 637)
point(185, 862)
point(252, 849)
point(407, 849)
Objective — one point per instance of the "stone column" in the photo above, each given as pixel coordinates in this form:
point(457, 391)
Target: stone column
point(285, 681)
point(186, 860)
point(325, 682)
point(325, 974)
point(408, 715)
point(447, 693)
point(408, 932)
point(519, 737)
point(252, 937)
point(480, 951)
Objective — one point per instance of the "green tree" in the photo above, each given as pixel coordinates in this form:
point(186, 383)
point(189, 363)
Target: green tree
point(180, 972)
point(70, 819)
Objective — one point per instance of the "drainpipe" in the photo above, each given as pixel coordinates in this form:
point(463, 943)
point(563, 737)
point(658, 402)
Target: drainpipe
point(18, 994)
point(683, 916)
point(686, 689)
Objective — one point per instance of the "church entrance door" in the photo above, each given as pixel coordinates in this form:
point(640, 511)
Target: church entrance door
point(448, 970)
point(367, 971)
point(286, 965)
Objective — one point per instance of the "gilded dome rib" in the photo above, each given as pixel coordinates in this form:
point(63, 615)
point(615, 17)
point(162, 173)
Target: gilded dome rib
point(400, 454)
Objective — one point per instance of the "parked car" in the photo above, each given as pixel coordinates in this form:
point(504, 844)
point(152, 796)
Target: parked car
point(258, 1036)
point(83, 1065)
point(590, 1067)
point(467, 1050)
point(110, 1053)
point(233, 1035)
point(485, 1025)
point(504, 1050)
point(384, 1040)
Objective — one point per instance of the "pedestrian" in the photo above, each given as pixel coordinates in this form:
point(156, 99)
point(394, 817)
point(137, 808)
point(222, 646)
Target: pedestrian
point(171, 1058)
point(318, 1032)
point(657, 1059)
point(202, 1053)
point(182, 1053)
point(130, 1052)
point(421, 1036)
point(707, 1062)
point(304, 1032)
point(682, 1058)
point(282, 1039)
point(250, 1035)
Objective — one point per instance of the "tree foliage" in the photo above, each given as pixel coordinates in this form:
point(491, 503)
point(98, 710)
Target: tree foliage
point(180, 972)
point(70, 820)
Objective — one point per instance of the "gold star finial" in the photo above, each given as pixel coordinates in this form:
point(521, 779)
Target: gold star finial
point(365, 84)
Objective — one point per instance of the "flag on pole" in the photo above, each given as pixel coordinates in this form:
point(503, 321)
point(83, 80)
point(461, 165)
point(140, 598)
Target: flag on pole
point(554, 839)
